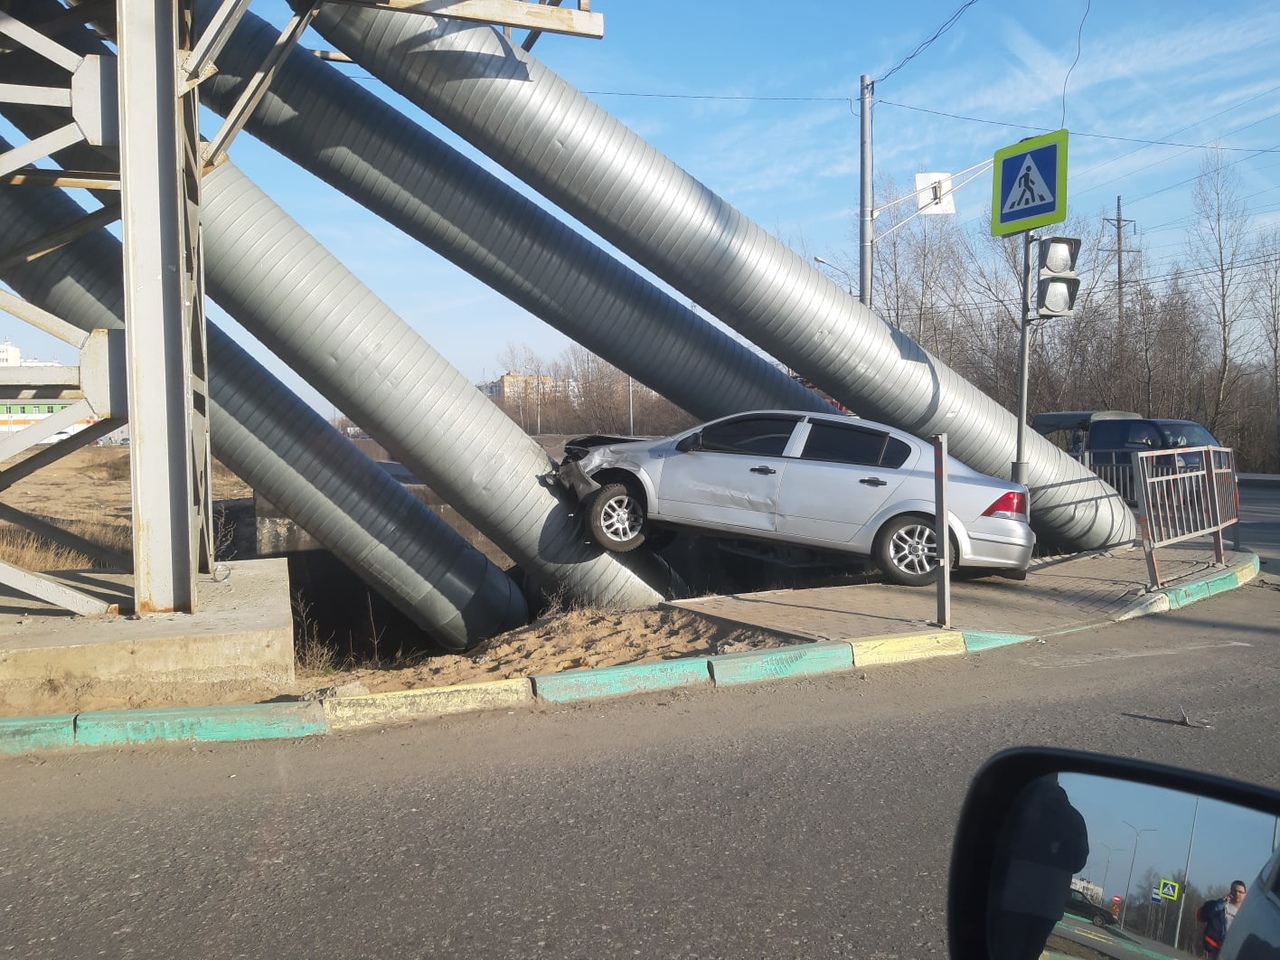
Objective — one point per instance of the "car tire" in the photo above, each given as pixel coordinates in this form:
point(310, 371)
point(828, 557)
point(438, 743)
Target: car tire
point(906, 551)
point(1099, 920)
point(617, 518)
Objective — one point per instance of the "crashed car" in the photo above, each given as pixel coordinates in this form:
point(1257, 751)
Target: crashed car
point(824, 481)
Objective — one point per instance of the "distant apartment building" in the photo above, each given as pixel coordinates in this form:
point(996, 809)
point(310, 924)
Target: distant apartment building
point(20, 410)
point(519, 389)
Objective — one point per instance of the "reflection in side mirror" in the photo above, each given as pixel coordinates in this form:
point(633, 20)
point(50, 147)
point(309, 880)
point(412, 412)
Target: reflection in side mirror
point(1082, 855)
point(691, 442)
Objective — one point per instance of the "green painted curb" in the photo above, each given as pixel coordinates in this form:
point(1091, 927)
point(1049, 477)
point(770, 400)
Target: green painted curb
point(26, 734)
point(826, 656)
point(259, 721)
point(1240, 574)
point(588, 684)
point(976, 640)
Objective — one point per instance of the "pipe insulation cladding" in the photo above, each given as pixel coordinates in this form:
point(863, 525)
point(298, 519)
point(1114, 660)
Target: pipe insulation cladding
point(283, 448)
point(516, 111)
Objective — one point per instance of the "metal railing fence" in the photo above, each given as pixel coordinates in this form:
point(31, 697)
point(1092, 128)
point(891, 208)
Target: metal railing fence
point(1182, 494)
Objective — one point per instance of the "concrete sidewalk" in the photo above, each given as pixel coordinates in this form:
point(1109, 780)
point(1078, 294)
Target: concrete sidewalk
point(827, 630)
point(1058, 596)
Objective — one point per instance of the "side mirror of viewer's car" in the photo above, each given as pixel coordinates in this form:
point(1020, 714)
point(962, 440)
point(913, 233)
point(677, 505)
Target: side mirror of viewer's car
point(1061, 850)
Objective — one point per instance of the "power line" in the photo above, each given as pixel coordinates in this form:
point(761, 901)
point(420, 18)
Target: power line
point(1079, 45)
point(946, 25)
point(1092, 136)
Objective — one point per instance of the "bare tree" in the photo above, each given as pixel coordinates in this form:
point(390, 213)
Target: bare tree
point(1266, 303)
point(1217, 249)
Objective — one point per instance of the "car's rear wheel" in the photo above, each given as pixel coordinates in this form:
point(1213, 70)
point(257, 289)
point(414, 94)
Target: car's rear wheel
point(617, 518)
point(906, 551)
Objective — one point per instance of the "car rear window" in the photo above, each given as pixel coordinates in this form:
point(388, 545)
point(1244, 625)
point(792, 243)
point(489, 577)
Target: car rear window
point(1186, 434)
point(836, 443)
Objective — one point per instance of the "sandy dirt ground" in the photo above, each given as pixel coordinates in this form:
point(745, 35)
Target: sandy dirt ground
point(93, 485)
point(567, 641)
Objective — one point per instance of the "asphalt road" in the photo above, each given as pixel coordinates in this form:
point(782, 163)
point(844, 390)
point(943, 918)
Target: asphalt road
point(1260, 524)
point(799, 819)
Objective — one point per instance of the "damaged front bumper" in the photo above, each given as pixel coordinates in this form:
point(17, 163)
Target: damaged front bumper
point(570, 476)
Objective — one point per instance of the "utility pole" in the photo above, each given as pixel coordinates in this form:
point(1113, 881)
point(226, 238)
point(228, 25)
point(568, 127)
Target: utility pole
point(1119, 223)
point(866, 220)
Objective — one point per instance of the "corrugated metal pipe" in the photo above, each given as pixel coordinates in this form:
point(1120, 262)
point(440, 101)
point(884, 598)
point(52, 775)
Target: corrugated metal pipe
point(362, 146)
point(313, 313)
point(562, 144)
point(283, 448)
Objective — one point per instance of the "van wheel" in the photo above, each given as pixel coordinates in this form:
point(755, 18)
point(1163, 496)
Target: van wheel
point(617, 518)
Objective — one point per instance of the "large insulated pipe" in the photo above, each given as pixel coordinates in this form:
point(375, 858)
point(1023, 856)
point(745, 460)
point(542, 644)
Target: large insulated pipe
point(283, 448)
point(360, 145)
point(525, 117)
point(313, 313)
point(411, 400)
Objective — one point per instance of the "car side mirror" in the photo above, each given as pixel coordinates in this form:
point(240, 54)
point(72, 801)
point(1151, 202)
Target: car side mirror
point(690, 442)
point(1153, 854)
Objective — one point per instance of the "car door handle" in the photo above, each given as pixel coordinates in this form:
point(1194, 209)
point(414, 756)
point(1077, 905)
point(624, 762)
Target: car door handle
point(763, 470)
point(874, 482)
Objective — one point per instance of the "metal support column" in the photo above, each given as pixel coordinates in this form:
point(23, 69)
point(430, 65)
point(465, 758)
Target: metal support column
point(1019, 466)
point(164, 307)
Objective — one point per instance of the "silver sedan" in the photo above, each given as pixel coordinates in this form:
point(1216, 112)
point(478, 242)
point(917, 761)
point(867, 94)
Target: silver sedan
point(825, 481)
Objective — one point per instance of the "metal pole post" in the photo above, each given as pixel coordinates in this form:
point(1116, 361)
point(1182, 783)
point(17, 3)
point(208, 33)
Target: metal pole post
point(1186, 874)
point(1019, 466)
point(941, 530)
point(1124, 901)
point(866, 222)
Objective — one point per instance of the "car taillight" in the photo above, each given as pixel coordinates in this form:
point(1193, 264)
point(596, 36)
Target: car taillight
point(1011, 506)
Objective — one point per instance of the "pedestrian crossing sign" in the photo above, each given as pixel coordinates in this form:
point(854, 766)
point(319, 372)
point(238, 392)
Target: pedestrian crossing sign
point(1029, 184)
point(1168, 890)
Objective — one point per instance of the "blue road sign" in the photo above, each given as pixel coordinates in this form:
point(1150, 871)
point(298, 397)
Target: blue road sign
point(1029, 184)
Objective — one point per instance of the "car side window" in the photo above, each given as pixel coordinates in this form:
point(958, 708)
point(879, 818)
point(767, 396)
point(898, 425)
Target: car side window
point(767, 436)
point(837, 443)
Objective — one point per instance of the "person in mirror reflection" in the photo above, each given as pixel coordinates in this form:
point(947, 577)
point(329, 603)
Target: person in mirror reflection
point(1217, 916)
point(1045, 844)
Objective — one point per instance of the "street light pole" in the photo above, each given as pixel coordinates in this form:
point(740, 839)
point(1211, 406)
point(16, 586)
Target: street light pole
point(866, 219)
point(1186, 874)
point(1124, 902)
point(848, 279)
point(1106, 871)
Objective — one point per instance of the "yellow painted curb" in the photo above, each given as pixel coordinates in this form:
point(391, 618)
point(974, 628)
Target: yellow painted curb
point(913, 647)
point(377, 709)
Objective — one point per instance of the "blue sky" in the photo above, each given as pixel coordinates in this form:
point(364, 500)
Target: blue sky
point(759, 101)
point(1229, 843)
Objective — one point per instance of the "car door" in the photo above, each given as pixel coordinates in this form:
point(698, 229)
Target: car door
point(842, 477)
point(730, 480)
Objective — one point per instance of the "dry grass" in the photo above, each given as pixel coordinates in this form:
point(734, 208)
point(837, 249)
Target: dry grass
point(313, 654)
point(28, 550)
point(24, 549)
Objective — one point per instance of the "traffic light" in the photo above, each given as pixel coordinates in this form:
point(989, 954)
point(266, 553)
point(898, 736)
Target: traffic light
point(1056, 293)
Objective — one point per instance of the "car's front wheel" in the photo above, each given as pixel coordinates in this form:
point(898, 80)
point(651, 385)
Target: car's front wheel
point(906, 551)
point(617, 518)
point(1099, 920)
